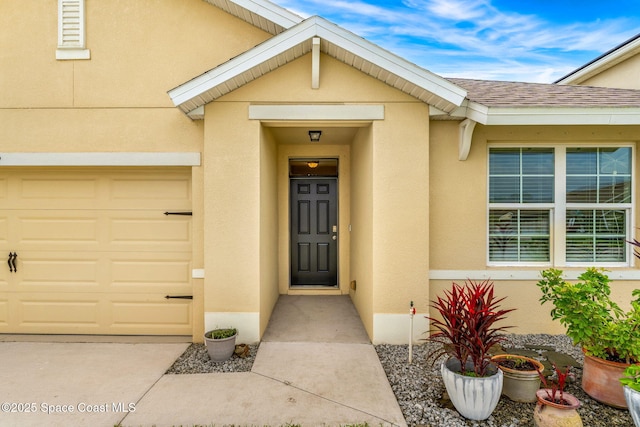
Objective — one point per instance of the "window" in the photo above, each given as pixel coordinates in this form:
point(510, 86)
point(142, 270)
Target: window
point(559, 205)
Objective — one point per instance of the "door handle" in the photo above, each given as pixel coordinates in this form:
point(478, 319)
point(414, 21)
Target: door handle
point(12, 262)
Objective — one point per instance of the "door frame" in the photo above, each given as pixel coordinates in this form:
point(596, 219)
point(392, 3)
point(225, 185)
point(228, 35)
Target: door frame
point(288, 152)
point(303, 288)
point(337, 251)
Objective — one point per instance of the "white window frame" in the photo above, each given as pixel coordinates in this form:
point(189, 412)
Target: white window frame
point(71, 30)
point(558, 209)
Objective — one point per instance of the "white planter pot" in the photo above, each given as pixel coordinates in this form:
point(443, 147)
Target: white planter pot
point(220, 349)
point(474, 398)
point(633, 402)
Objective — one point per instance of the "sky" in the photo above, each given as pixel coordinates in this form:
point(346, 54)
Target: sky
point(516, 40)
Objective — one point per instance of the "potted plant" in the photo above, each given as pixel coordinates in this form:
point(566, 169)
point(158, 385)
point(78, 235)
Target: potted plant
point(467, 331)
point(521, 380)
point(595, 322)
point(631, 384)
point(221, 343)
point(555, 408)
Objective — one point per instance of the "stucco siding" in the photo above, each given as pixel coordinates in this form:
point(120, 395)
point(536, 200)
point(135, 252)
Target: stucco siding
point(362, 226)
point(458, 208)
point(268, 228)
point(624, 75)
point(400, 210)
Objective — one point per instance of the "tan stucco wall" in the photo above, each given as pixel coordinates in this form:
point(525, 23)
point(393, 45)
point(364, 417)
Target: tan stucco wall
point(625, 75)
point(401, 207)
point(269, 230)
point(232, 223)
point(139, 50)
point(362, 226)
point(459, 214)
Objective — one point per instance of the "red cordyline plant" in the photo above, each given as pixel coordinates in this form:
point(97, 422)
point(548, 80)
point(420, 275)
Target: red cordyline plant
point(467, 329)
point(555, 389)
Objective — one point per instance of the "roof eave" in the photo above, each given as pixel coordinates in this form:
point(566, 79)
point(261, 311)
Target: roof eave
point(541, 116)
point(260, 13)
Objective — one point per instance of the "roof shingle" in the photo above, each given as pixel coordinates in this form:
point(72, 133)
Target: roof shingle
point(492, 93)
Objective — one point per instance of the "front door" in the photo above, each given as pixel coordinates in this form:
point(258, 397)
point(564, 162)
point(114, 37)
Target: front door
point(314, 229)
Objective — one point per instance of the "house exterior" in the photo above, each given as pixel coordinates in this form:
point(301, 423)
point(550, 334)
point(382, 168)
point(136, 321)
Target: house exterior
point(157, 174)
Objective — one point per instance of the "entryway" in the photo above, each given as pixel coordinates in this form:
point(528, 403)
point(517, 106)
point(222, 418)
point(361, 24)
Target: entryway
point(315, 318)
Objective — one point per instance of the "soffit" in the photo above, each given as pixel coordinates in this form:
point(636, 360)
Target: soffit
point(335, 42)
point(262, 14)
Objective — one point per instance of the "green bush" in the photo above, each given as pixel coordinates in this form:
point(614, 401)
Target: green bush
point(218, 334)
point(592, 319)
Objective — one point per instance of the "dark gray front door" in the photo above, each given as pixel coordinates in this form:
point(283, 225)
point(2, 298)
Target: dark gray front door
point(314, 246)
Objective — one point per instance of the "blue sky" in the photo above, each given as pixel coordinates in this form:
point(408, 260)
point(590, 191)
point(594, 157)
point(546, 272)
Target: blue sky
point(520, 40)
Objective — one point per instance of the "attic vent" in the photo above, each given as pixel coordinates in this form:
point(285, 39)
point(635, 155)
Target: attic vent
point(71, 31)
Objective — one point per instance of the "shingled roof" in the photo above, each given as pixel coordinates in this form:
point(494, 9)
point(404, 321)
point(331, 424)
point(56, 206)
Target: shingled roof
point(492, 93)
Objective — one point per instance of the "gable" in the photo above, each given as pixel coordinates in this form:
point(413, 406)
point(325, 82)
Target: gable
point(339, 83)
point(619, 67)
point(331, 40)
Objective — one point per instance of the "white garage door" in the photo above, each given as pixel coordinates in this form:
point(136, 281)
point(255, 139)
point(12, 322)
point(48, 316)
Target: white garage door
point(95, 253)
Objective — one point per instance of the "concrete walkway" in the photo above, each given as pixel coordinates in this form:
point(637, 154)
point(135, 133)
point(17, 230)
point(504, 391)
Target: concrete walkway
point(315, 367)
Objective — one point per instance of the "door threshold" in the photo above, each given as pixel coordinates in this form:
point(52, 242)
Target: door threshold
point(314, 290)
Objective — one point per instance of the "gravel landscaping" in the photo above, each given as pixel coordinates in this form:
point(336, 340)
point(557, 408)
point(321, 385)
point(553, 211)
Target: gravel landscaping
point(419, 389)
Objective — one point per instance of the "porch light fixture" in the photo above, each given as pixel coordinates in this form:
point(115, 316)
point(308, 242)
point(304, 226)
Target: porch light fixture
point(314, 135)
point(313, 164)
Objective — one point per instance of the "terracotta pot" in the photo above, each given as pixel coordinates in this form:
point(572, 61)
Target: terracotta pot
point(519, 385)
point(633, 401)
point(551, 414)
point(474, 398)
point(600, 380)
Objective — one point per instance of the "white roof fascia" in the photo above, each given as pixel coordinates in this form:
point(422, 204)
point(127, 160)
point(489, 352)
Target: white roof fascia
point(602, 64)
point(303, 32)
point(477, 112)
point(390, 62)
point(241, 63)
point(278, 16)
point(558, 116)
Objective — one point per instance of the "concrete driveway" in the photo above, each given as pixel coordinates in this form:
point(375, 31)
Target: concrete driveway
point(315, 367)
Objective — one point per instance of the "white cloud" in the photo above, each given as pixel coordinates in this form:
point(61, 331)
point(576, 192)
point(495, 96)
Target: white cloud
point(474, 36)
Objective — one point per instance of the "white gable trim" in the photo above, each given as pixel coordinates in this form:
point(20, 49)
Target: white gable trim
point(100, 159)
point(603, 63)
point(297, 41)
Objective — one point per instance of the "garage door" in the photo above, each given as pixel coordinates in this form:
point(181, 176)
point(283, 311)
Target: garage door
point(95, 253)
